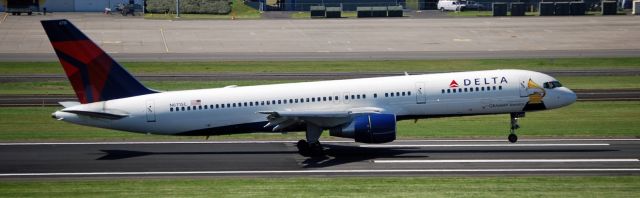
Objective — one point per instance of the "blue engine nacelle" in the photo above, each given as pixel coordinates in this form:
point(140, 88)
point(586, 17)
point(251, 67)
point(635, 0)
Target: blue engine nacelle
point(372, 128)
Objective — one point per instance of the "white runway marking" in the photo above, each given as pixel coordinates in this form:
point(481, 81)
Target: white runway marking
point(327, 172)
point(292, 141)
point(475, 145)
point(508, 161)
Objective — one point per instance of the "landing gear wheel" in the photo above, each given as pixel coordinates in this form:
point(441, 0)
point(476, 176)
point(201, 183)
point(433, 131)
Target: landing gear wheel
point(310, 149)
point(513, 138)
point(303, 148)
point(316, 150)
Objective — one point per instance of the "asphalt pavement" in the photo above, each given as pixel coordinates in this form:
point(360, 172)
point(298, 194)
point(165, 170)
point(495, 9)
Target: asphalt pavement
point(280, 158)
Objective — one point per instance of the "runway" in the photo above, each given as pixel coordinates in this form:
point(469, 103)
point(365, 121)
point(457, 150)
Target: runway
point(280, 158)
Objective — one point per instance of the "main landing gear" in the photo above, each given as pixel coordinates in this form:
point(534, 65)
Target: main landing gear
point(311, 146)
point(513, 138)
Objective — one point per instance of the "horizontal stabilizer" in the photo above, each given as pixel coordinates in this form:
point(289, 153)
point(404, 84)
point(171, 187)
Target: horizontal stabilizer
point(67, 104)
point(96, 114)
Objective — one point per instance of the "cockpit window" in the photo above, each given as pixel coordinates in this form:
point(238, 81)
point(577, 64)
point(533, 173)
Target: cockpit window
point(552, 84)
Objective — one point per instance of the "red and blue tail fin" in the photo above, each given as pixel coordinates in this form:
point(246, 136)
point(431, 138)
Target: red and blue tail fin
point(94, 75)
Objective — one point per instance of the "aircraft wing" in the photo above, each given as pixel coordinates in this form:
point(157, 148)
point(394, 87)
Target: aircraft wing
point(282, 119)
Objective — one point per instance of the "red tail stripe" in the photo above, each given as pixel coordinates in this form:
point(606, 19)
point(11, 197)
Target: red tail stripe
point(76, 80)
point(83, 50)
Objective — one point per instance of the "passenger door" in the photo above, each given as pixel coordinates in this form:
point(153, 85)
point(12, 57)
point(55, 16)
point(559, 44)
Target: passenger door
point(421, 96)
point(151, 111)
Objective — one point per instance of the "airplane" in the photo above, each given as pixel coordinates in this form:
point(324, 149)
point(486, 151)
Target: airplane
point(365, 109)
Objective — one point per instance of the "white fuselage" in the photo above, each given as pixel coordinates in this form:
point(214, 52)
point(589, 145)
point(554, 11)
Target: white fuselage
point(408, 96)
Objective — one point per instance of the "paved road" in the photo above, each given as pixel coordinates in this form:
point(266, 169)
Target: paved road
point(52, 100)
point(422, 157)
point(296, 76)
point(324, 56)
point(402, 38)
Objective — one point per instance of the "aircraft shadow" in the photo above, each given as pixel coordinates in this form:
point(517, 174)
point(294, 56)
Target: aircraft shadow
point(124, 154)
point(338, 154)
point(344, 154)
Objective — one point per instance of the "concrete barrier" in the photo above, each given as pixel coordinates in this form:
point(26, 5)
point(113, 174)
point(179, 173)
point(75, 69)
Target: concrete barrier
point(609, 8)
point(518, 9)
point(547, 9)
point(499, 9)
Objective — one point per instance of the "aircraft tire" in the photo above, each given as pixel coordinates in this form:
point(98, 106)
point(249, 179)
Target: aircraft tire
point(513, 138)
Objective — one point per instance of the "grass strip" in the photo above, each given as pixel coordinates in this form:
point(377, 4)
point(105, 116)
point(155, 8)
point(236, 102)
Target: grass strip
point(341, 66)
point(552, 186)
point(582, 119)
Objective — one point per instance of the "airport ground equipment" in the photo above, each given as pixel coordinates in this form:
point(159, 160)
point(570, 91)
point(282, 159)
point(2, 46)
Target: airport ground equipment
point(499, 9)
point(518, 9)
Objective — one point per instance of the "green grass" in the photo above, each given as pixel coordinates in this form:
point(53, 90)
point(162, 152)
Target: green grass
point(582, 119)
point(63, 87)
point(238, 10)
point(341, 66)
point(553, 186)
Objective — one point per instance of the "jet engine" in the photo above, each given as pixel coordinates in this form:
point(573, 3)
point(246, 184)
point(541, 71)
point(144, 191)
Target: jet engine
point(371, 128)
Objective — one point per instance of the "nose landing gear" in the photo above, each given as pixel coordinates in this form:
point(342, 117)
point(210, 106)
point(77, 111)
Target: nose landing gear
point(513, 138)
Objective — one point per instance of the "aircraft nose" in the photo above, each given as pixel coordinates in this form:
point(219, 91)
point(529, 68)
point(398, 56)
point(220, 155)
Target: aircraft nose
point(570, 96)
point(563, 97)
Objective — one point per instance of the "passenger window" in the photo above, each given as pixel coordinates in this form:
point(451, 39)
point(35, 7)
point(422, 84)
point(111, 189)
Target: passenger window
point(403, 93)
point(296, 101)
point(353, 97)
point(324, 98)
point(279, 101)
point(386, 94)
point(398, 94)
point(494, 88)
point(459, 90)
point(330, 98)
point(364, 96)
point(482, 88)
point(171, 109)
point(307, 99)
point(189, 108)
point(488, 88)
point(465, 89)
point(336, 97)
point(205, 106)
point(358, 96)
point(442, 90)
point(409, 93)
point(471, 89)
point(454, 90)
point(448, 90)
point(375, 95)
point(391, 94)
point(500, 87)
point(477, 89)
point(182, 108)
point(290, 101)
point(318, 99)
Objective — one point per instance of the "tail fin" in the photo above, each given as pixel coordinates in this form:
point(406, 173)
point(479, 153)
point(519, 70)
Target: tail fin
point(94, 75)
